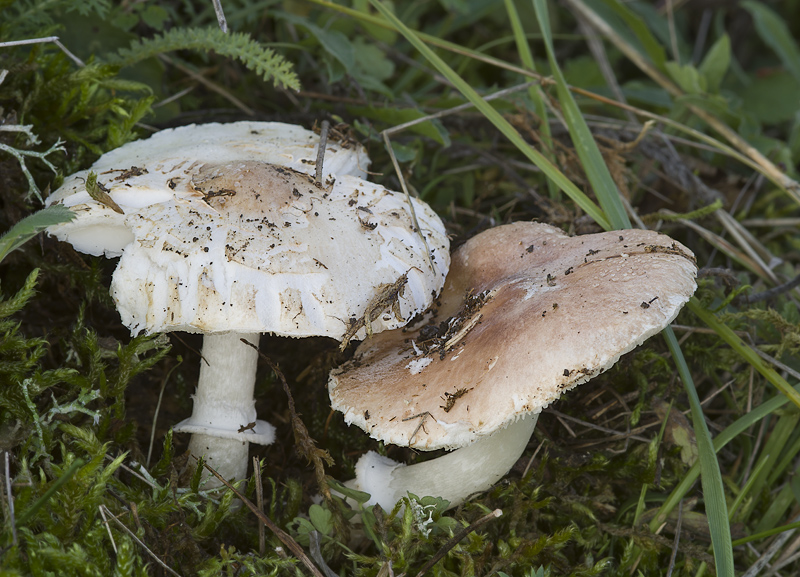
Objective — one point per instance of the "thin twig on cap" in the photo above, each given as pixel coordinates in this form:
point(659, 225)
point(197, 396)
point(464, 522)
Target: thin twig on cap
point(285, 538)
point(223, 24)
point(323, 142)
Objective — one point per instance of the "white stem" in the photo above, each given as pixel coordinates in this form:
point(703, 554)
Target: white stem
point(223, 421)
point(454, 476)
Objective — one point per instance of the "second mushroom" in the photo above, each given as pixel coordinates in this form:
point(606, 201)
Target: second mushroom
point(526, 314)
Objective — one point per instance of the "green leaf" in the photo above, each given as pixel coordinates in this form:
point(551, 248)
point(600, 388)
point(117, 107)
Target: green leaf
point(715, 64)
point(321, 518)
point(687, 77)
point(32, 225)
point(264, 61)
point(348, 492)
point(633, 23)
point(394, 116)
point(775, 34)
point(155, 16)
point(592, 161)
point(333, 41)
point(772, 99)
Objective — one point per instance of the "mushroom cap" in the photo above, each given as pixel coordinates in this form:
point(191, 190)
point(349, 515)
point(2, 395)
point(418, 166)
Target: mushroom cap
point(159, 168)
point(236, 243)
point(526, 314)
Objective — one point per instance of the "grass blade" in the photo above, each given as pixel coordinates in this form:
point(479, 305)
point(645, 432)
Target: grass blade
point(711, 479)
point(592, 161)
point(535, 93)
point(547, 167)
point(775, 34)
point(32, 225)
point(727, 335)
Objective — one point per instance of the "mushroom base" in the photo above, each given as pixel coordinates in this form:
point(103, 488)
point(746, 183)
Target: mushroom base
point(453, 477)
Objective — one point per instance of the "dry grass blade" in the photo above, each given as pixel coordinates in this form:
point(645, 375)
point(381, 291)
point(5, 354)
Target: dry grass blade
point(262, 542)
point(54, 39)
point(285, 538)
point(677, 540)
point(456, 538)
point(774, 173)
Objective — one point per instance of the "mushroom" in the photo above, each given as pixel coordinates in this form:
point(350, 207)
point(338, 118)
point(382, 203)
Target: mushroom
point(526, 314)
point(222, 231)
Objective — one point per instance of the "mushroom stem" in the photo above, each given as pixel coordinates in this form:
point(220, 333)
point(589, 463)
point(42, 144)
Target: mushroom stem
point(223, 421)
point(454, 476)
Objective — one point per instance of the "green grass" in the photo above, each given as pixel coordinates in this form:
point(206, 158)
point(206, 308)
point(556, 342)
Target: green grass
point(78, 394)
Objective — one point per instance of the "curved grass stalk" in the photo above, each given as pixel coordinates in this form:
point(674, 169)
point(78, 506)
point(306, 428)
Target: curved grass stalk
point(773, 174)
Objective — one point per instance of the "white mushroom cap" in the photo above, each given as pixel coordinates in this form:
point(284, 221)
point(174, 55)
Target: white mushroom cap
point(157, 169)
point(526, 314)
point(219, 238)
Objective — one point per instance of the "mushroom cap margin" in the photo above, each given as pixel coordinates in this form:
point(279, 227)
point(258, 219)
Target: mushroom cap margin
point(539, 323)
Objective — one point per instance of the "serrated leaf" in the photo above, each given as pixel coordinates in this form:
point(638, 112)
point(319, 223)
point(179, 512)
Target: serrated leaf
point(32, 225)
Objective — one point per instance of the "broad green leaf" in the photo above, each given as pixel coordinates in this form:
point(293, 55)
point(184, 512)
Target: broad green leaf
point(775, 34)
point(632, 22)
point(716, 63)
point(333, 41)
point(773, 98)
point(155, 16)
point(713, 103)
point(321, 518)
point(687, 77)
point(32, 225)
point(592, 161)
point(396, 116)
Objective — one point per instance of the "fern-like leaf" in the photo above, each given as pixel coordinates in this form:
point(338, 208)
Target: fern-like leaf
point(239, 45)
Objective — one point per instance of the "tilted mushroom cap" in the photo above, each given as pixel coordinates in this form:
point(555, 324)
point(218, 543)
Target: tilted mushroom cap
point(238, 243)
point(526, 314)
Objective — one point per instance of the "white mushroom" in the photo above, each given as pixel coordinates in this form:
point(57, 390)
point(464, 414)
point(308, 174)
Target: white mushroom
point(526, 314)
point(224, 232)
